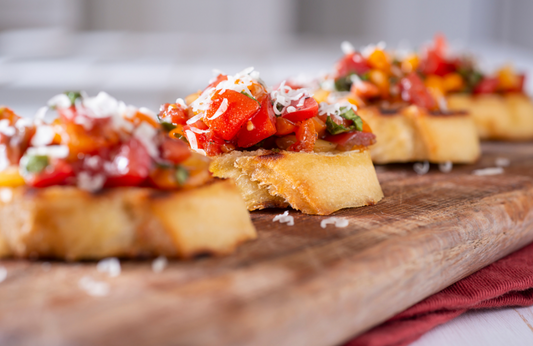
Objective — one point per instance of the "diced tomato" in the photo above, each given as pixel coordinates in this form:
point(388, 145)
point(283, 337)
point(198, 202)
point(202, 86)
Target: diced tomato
point(213, 144)
point(350, 140)
point(351, 63)
point(320, 126)
point(131, 165)
point(173, 113)
point(488, 85)
point(174, 150)
point(306, 136)
point(306, 111)
point(260, 126)
point(414, 91)
point(58, 172)
point(284, 126)
point(365, 89)
point(221, 77)
point(435, 61)
point(240, 109)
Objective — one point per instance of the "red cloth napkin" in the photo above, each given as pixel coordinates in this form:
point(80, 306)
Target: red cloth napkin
point(507, 282)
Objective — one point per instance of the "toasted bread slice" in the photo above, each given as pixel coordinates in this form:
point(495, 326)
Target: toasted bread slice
point(314, 183)
point(501, 117)
point(413, 134)
point(68, 223)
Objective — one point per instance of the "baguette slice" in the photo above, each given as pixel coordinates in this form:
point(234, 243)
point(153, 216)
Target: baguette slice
point(412, 134)
point(314, 183)
point(69, 223)
point(501, 117)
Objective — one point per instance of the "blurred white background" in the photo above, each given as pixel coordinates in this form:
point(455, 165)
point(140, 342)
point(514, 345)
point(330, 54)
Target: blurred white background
point(147, 52)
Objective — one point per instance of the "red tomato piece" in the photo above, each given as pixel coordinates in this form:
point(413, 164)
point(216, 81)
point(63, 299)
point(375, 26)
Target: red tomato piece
point(58, 172)
point(175, 150)
point(414, 91)
point(308, 110)
point(352, 63)
point(488, 85)
point(173, 113)
point(348, 140)
point(260, 126)
point(131, 165)
point(221, 77)
point(284, 127)
point(239, 110)
point(213, 144)
point(306, 136)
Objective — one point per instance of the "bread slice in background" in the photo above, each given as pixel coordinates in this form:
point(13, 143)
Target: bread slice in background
point(68, 223)
point(506, 117)
point(413, 134)
point(314, 183)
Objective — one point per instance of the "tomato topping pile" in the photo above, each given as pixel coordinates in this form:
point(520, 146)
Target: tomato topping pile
point(239, 113)
point(373, 76)
point(94, 143)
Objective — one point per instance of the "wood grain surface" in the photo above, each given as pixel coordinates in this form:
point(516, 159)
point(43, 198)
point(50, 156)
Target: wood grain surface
point(295, 285)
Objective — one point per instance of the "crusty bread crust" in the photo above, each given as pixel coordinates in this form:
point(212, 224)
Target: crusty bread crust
point(412, 134)
point(502, 117)
point(314, 183)
point(68, 223)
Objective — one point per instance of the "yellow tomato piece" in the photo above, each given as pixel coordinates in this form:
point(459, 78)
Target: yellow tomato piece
point(410, 63)
point(381, 80)
point(379, 60)
point(435, 85)
point(321, 95)
point(453, 82)
point(507, 78)
point(11, 178)
point(192, 97)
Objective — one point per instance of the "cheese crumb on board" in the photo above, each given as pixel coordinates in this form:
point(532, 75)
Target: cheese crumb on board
point(92, 287)
point(488, 171)
point(421, 168)
point(284, 218)
point(337, 221)
point(111, 266)
point(159, 264)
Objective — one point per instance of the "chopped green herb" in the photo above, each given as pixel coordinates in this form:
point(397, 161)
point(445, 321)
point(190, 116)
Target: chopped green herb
point(37, 163)
point(253, 98)
point(167, 126)
point(73, 96)
point(343, 83)
point(276, 150)
point(365, 76)
point(348, 113)
point(181, 175)
point(335, 128)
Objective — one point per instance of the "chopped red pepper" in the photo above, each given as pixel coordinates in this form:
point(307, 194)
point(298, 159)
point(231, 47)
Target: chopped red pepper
point(239, 109)
point(488, 85)
point(414, 91)
point(262, 125)
point(173, 113)
point(352, 63)
point(131, 165)
point(306, 136)
point(348, 140)
point(306, 111)
point(56, 173)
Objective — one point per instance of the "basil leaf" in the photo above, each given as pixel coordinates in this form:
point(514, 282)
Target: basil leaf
point(335, 128)
point(343, 83)
point(167, 126)
point(73, 96)
point(181, 175)
point(348, 113)
point(36, 164)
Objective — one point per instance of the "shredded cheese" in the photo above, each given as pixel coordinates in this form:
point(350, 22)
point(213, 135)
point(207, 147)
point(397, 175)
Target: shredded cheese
point(44, 135)
point(284, 218)
point(337, 221)
point(93, 288)
point(191, 137)
point(53, 151)
point(347, 47)
point(421, 168)
point(60, 101)
point(446, 167)
point(91, 183)
point(488, 171)
point(502, 162)
point(7, 129)
point(159, 264)
point(6, 195)
point(221, 110)
point(110, 266)
point(145, 133)
point(284, 95)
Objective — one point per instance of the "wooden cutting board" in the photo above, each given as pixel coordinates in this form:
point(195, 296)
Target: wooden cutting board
point(299, 285)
